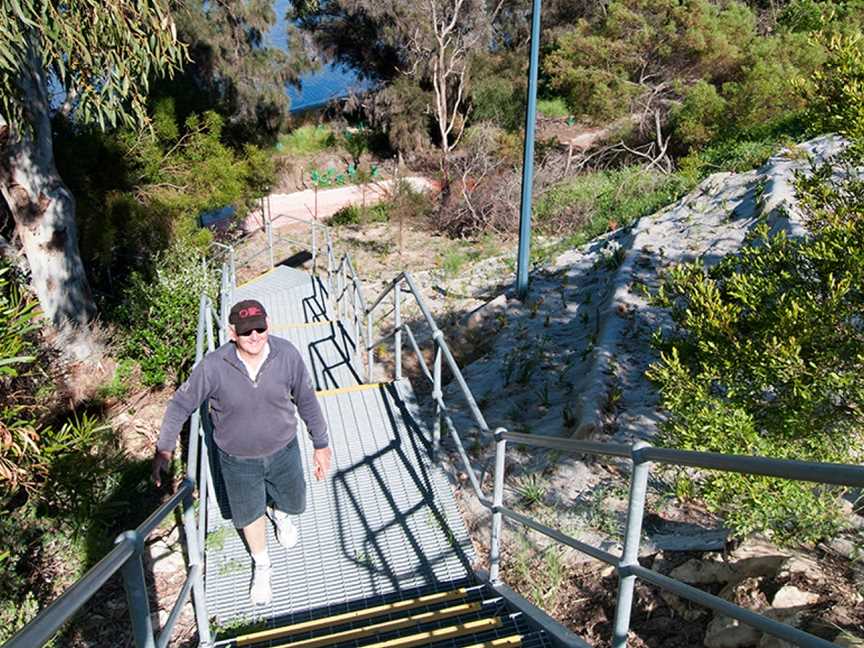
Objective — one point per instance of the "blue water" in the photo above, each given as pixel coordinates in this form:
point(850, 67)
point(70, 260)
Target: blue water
point(331, 81)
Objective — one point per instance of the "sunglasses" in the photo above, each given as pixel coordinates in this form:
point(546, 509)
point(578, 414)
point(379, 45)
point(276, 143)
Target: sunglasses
point(259, 331)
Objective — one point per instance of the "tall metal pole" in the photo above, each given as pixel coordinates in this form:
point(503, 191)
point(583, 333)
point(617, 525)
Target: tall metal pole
point(528, 157)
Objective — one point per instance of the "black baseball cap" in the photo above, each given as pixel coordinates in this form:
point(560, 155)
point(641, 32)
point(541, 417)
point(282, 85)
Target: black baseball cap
point(247, 315)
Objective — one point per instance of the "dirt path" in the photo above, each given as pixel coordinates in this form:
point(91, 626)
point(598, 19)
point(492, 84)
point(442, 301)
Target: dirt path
point(301, 204)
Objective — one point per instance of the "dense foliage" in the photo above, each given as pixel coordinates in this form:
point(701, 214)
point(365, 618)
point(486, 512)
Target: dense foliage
point(160, 313)
point(76, 42)
point(768, 359)
point(138, 192)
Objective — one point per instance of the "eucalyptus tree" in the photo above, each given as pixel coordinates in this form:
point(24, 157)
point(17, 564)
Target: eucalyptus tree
point(93, 60)
point(429, 41)
point(237, 63)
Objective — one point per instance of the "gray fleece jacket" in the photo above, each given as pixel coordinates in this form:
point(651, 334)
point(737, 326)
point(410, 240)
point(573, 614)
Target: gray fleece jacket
point(250, 418)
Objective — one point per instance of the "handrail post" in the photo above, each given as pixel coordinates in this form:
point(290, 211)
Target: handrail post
point(233, 267)
point(199, 599)
point(370, 352)
point(270, 238)
point(437, 394)
point(630, 555)
point(356, 318)
point(497, 503)
point(330, 262)
point(397, 322)
point(342, 284)
point(136, 593)
point(314, 250)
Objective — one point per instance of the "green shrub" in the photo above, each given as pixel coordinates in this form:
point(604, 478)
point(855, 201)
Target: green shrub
point(356, 215)
point(356, 143)
point(553, 107)
point(697, 119)
point(768, 359)
point(500, 101)
point(835, 92)
point(306, 140)
point(160, 314)
point(17, 323)
point(19, 452)
point(497, 95)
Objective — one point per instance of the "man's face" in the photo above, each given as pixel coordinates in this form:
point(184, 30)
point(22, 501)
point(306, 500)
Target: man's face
point(253, 343)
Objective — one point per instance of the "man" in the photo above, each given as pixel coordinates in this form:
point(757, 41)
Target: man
point(256, 386)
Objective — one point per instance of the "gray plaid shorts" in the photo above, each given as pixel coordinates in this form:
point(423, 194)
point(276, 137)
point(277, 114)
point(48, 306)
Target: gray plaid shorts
point(253, 482)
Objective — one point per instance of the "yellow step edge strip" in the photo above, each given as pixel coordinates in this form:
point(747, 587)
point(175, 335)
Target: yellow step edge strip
point(348, 390)
point(254, 279)
point(441, 634)
point(386, 626)
point(512, 640)
point(348, 617)
point(300, 325)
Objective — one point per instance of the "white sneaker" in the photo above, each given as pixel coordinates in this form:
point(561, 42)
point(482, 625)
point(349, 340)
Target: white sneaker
point(260, 591)
point(286, 532)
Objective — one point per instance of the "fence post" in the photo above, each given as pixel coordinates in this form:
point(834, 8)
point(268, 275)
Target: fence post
point(136, 592)
point(233, 266)
point(437, 394)
point(497, 503)
point(630, 555)
point(397, 322)
point(330, 273)
point(199, 600)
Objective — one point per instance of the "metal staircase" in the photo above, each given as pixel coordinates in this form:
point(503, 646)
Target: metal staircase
point(384, 558)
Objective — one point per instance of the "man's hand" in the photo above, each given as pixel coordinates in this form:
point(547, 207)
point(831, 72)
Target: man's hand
point(321, 458)
point(161, 462)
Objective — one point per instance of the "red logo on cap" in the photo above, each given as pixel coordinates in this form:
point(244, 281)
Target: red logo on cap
point(251, 311)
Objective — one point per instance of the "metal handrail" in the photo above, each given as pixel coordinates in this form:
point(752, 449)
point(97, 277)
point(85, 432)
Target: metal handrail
point(442, 354)
point(642, 456)
point(125, 557)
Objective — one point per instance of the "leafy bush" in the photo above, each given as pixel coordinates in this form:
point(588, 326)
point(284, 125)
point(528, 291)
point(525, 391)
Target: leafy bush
point(553, 107)
point(500, 101)
point(356, 215)
point(356, 143)
point(633, 46)
point(17, 322)
point(160, 314)
point(697, 118)
point(306, 140)
point(768, 359)
point(138, 192)
point(835, 92)
point(18, 438)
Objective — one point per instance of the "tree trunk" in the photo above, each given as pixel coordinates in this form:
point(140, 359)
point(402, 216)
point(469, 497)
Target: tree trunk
point(44, 212)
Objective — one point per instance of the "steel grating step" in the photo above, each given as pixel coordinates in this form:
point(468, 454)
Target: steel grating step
point(352, 617)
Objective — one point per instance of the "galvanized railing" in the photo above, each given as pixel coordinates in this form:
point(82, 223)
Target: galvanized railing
point(127, 558)
point(127, 555)
point(401, 286)
point(641, 454)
